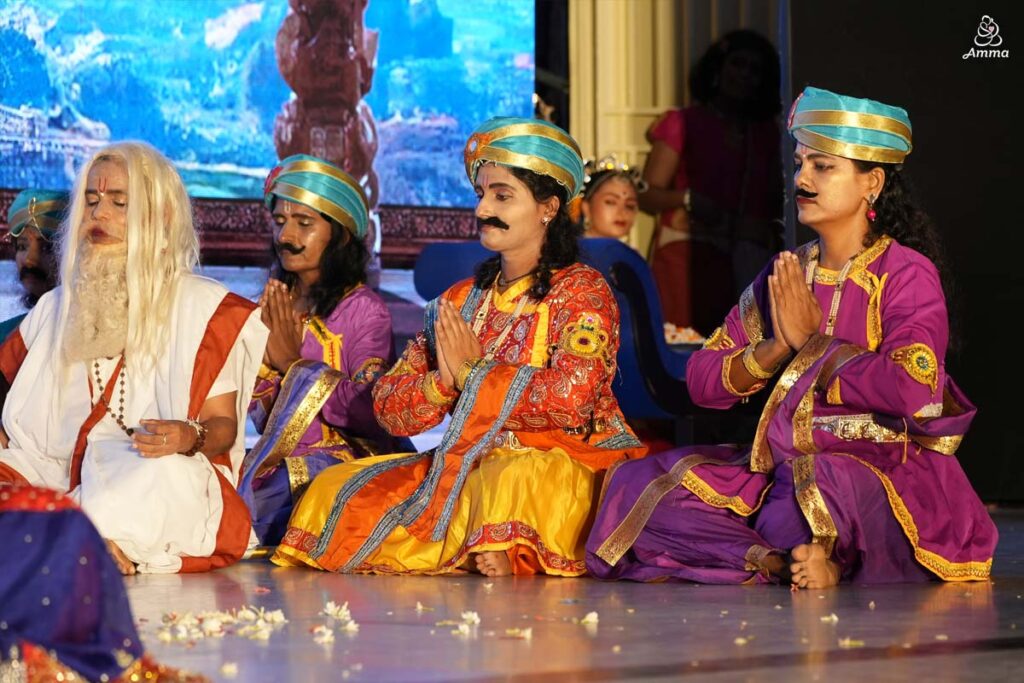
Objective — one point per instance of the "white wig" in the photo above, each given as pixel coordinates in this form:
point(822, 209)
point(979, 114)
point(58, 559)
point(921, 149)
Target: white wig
point(161, 239)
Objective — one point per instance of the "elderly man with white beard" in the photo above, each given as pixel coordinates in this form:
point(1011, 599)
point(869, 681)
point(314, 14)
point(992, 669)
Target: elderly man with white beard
point(129, 383)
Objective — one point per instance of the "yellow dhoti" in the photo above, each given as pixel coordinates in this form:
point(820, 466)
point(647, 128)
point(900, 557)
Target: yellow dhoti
point(533, 504)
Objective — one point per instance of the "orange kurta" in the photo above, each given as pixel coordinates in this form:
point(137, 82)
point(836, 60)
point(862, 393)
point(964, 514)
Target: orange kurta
point(519, 467)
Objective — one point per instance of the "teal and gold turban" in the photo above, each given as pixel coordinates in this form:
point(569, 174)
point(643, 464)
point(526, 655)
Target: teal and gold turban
point(850, 127)
point(321, 186)
point(39, 209)
point(532, 144)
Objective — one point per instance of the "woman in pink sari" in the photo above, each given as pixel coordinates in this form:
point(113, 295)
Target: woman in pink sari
point(852, 474)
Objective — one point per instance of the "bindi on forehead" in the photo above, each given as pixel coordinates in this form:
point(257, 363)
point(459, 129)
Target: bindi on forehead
point(101, 184)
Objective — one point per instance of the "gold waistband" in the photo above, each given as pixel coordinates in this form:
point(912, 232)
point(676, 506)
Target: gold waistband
point(857, 427)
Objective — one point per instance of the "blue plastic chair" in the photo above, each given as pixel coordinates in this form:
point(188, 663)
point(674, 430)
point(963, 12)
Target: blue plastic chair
point(651, 377)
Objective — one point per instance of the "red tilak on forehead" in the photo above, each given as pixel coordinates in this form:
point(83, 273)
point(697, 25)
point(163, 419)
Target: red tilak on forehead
point(102, 184)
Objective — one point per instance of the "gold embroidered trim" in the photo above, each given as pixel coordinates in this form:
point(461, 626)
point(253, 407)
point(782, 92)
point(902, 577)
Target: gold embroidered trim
point(755, 558)
point(848, 150)
point(330, 342)
point(946, 445)
point(853, 119)
point(727, 383)
point(813, 350)
point(812, 504)
point(401, 367)
point(858, 427)
point(298, 476)
point(812, 250)
point(432, 392)
point(753, 322)
point(625, 534)
point(935, 563)
point(833, 396)
point(314, 201)
point(824, 276)
point(300, 420)
point(803, 422)
point(703, 490)
point(871, 284)
point(920, 363)
point(719, 340)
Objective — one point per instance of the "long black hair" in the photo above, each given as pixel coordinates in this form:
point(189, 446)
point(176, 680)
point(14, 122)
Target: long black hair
point(704, 75)
point(342, 267)
point(561, 246)
point(898, 215)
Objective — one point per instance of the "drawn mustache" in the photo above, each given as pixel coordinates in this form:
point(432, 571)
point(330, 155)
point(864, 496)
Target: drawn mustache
point(32, 271)
point(493, 221)
point(804, 193)
point(290, 248)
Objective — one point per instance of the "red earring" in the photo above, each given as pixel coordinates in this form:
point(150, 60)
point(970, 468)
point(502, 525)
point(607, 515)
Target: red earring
point(872, 214)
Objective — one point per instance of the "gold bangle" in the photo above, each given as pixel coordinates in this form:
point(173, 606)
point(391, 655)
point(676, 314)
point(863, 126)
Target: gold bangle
point(432, 392)
point(753, 367)
point(463, 374)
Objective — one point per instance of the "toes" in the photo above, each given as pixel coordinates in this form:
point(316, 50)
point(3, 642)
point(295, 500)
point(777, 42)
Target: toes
point(801, 553)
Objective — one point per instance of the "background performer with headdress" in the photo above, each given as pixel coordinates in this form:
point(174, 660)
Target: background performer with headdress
point(608, 205)
point(330, 339)
point(851, 475)
point(522, 356)
point(32, 221)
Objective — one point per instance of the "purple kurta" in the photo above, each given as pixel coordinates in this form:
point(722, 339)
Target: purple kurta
point(326, 397)
point(854, 449)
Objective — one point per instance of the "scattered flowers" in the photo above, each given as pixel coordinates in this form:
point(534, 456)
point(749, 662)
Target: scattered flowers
point(322, 634)
point(256, 623)
point(519, 633)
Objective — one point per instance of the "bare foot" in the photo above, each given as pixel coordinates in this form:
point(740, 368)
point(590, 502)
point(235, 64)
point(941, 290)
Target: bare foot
point(777, 565)
point(126, 566)
point(469, 564)
point(811, 568)
point(493, 563)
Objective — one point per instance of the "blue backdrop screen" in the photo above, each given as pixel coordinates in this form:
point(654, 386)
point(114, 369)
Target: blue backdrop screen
point(200, 81)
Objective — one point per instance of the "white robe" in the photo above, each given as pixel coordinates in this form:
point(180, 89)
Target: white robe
point(158, 510)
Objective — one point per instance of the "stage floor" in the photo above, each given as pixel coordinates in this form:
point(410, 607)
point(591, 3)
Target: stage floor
point(651, 632)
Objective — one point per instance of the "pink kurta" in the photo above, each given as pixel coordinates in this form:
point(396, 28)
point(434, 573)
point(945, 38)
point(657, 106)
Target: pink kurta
point(854, 449)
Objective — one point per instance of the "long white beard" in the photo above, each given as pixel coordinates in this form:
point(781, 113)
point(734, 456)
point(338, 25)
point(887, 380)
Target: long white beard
point(97, 324)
